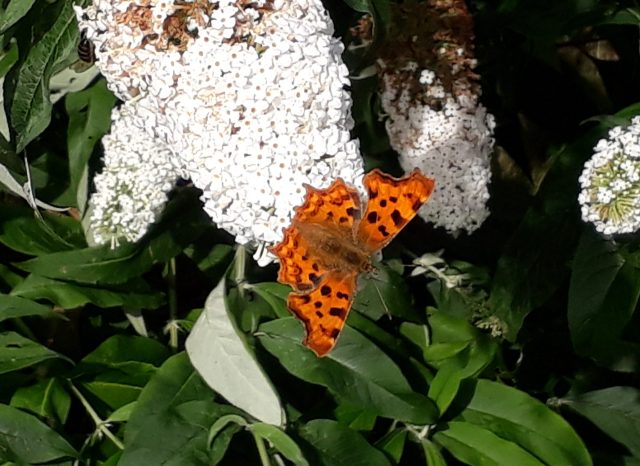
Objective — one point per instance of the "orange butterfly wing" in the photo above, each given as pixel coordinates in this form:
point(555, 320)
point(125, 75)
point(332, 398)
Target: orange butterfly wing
point(328, 244)
point(336, 209)
point(393, 202)
point(324, 293)
point(324, 309)
point(298, 267)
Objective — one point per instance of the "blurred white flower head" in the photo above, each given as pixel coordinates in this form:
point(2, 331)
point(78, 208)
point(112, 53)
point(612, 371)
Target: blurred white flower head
point(610, 182)
point(132, 188)
point(245, 98)
point(435, 121)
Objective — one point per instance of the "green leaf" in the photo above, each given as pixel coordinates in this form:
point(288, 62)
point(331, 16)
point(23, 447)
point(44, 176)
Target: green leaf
point(48, 398)
point(170, 422)
point(615, 410)
point(515, 416)
point(8, 278)
point(454, 341)
point(534, 262)
point(338, 445)
point(212, 259)
point(119, 387)
point(276, 295)
point(356, 371)
point(113, 460)
point(13, 12)
point(475, 445)
point(595, 267)
point(222, 422)
point(220, 354)
point(384, 293)
point(18, 352)
point(31, 107)
point(630, 16)
point(417, 334)
point(14, 306)
point(603, 294)
point(393, 444)
point(432, 453)
point(445, 385)
point(135, 294)
point(25, 439)
point(24, 232)
point(89, 119)
point(7, 60)
point(280, 441)
point(355, 417)
point(182, 222)
point(119, 368)
point(120, 349)
point(123, 413)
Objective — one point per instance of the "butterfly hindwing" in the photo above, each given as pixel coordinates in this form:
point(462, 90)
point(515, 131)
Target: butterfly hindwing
point(324, 309)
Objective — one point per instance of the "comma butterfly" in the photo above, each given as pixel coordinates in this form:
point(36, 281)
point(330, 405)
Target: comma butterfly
point(329, 243)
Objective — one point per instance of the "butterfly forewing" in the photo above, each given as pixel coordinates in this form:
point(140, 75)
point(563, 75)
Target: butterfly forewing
point(392, 203)
point(336, 207)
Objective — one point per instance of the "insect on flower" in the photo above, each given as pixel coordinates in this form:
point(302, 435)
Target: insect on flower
point(86, 49)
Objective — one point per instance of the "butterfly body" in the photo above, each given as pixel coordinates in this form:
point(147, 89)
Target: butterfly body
point(332, 251)
point(330, 242)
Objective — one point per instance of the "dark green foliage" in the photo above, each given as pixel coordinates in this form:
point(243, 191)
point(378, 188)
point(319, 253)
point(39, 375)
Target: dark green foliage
point(533, 360)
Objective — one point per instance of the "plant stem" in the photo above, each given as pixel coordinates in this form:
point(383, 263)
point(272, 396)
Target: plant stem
point(173, 304)
point(100, 424)
point(262, 450)
point(240, 267)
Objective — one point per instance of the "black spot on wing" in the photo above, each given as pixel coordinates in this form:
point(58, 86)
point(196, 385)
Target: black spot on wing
point(383, 203)
point(325, 290)
point(334, 333)
point(372, 217)
point(338, 312)
point(317, 304)
point(383, 230)
point(341, 295)
point(397, 217)
point(393, 199)
point(319, 314)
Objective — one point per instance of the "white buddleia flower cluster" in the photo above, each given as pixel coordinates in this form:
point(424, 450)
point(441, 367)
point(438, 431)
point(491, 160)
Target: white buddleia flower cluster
point(249, 97)
point(124, 206)
point(610, 182)
point(435, 121)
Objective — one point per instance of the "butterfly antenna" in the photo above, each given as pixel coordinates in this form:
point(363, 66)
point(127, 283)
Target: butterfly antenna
point(386, 309)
